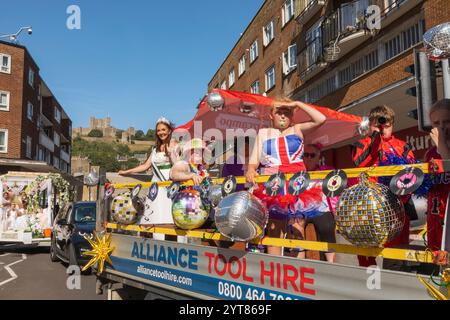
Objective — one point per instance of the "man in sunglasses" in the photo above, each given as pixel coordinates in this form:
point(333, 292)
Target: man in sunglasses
point(381, 148)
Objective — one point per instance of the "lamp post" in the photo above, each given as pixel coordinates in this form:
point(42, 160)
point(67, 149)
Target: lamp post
point(13, 37)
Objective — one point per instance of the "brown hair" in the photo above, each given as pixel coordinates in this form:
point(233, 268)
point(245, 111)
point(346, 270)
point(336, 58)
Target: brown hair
point(159, 142)
point(382, 111)
point(443, 104)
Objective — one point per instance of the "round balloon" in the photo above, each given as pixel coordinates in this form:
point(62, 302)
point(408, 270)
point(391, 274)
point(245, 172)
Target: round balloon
point(241, 216)
point(369, 214)
point(124, 210)
point(215, 101)
point(188, 210)
point(437, 42)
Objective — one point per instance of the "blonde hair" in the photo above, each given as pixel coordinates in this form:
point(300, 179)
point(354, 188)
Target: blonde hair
point(279, 103)
point(443, 104)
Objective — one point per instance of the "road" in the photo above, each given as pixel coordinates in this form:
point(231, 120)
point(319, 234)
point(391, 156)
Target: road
point(27, 274)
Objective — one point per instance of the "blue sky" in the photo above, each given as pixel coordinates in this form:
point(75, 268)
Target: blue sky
point(133, 60)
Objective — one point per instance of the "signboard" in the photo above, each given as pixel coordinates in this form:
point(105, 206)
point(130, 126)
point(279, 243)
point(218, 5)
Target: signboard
point(237, 275)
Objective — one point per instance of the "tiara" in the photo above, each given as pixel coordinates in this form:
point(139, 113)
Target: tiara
point(163, 120)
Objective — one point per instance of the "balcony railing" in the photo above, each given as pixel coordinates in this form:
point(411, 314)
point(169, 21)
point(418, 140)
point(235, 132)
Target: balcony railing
point(306, 9)
point(46, 142)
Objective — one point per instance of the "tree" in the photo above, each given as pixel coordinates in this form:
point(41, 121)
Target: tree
point(139, 135)
point(123, 150)
point(150, 134)
point(131, 163)
point(95, 133)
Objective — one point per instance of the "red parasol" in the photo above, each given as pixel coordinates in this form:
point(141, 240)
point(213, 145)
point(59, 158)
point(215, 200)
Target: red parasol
point(237, 113)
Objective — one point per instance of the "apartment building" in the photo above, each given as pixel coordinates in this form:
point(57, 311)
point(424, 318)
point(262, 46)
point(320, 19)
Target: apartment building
point(34, 128)
point(335, 53)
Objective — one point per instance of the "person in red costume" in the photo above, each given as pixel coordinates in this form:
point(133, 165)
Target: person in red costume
point(382, 148)
point(437, 197)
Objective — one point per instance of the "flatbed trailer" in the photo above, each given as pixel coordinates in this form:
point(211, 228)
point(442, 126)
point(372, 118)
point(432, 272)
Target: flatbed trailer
point(210, 266)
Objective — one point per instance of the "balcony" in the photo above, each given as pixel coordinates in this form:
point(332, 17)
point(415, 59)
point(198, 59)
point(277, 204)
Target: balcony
point(65, 156)
point(345, 29)
point(310, 59)
point(46, 142)
point(306, 9)
point(350, 25)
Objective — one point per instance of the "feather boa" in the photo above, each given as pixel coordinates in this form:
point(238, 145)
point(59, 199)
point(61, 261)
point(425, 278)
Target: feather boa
point(306, 204)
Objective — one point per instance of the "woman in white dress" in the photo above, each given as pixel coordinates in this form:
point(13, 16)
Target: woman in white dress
point(160, 162)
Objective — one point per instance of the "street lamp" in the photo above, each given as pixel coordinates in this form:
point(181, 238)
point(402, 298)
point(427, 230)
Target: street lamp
point(13, 37)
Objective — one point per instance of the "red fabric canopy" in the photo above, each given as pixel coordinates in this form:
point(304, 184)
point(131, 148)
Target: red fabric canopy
point(247, 111)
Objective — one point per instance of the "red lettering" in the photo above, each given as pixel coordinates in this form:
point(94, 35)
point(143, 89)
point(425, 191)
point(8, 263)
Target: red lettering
point(306, 280)
point(245, 277)
point(289, 278)
point(221, 257)
point(267, 273)
point(230, 267)
point(210, 258)
point(278, 276)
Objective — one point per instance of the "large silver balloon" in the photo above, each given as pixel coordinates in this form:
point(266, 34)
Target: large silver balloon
point(369, 214)
point(437, 42)
point(215, 101)
point(241, 216)
point(91, 179)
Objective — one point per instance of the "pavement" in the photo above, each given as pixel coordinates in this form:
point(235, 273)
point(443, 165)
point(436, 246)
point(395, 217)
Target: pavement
point(28, 274)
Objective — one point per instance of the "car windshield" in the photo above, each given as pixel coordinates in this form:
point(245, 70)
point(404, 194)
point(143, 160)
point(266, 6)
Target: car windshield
point(85, 212)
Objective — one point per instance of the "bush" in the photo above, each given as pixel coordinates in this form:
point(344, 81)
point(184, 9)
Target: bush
point(95, 133)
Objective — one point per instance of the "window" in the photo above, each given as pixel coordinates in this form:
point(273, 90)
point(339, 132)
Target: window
point(254, 51)
point(314, 43)
point(231, 78)
point(404, 41)
point(4, 101)
point(30, 111)
point(56, 162)
point(223, 86)
point(290, 59)
point(393, 47)
point(268, 33)
point(5, 63)
point(57, 114)
point(31, 77)
point(287, 12)
point(412, 36)
point(255, 87)
point(3, 140)
point(270, 78)
point(241, 68)
point(28, 150)
point(56, 139)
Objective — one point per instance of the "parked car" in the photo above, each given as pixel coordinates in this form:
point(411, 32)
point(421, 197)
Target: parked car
point(73, 222)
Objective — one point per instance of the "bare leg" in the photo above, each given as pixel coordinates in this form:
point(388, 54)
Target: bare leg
point(298, 232)
point(276, 230)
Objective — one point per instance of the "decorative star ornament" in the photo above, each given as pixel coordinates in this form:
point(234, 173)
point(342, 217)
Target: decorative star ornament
point(101, 250)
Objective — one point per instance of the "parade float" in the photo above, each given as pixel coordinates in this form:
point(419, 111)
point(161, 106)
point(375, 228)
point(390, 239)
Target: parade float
point(28, 205)
point(216, 260)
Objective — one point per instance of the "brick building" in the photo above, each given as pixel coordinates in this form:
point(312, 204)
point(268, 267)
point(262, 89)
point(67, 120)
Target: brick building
point(33, 125)
point(330, 53)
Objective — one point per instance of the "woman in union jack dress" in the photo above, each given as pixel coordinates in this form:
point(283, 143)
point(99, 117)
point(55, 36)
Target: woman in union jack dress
point(280, 149)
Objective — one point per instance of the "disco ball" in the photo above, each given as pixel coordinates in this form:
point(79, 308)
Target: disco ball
point(241, 216)
point(215, 101)
point(437, 42)
point(124, 210)
point(364, 126)
point(188, 210)
point(369, 214)
point(215, 195)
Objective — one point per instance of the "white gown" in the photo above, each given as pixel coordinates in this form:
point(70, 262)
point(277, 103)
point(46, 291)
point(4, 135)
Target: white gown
point(160, 210)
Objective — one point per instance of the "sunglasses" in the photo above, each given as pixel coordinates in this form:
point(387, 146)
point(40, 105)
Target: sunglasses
point(309, 155)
